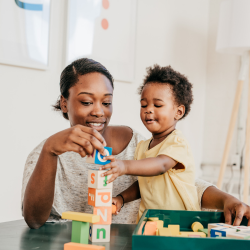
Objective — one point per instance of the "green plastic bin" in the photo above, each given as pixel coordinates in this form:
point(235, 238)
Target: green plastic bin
point(185, 220)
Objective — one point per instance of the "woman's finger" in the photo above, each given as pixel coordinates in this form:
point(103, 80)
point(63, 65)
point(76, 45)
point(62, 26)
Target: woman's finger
point(228, 217)
point(239, 214)
point(85, 144)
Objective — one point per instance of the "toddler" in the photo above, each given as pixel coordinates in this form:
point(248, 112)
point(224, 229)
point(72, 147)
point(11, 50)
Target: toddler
point(164, 163)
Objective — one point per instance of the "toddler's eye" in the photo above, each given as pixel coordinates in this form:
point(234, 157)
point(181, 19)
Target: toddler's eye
point(106, 104)
point(143, 106)
point(158, 106)
point(86, 103)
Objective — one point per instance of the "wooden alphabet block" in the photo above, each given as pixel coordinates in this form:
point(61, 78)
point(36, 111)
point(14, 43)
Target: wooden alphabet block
point(80, 232)
point(175, 229)
point(84, 217)
point(105, 214)
point(222, 231)
point(164, 232)
point(196, 226)
point(77, 246)
point(97, 158)
point(213, 225)
point(99, 233)
point(100, 197)
point(239, 235)
point(95, 180)
point(150, 228)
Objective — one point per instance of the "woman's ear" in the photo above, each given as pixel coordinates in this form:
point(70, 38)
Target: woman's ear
point(180, 111)
point(63, 104)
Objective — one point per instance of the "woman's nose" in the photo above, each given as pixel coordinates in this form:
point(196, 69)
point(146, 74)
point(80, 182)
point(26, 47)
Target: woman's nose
point(97, 111)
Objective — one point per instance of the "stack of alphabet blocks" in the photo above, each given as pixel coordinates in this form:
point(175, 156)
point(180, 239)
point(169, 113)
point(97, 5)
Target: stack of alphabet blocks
point(94, 227)
point(100, 197)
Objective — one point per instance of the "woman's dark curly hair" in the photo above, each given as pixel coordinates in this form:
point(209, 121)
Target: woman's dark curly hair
point(180, 86)
point(69, 77)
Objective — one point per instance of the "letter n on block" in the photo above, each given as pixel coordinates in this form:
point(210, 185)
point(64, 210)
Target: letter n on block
point(105, 214)
point(100, 197)
point(99, 233)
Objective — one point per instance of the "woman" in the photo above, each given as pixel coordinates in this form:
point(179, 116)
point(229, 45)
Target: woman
point(55, 175)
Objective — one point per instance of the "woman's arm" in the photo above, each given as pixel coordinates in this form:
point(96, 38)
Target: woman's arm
point(147, 167)
point(214, 198)
point(39, 193)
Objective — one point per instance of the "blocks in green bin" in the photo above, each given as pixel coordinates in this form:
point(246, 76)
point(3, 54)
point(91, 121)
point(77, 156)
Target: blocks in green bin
point(80, 232)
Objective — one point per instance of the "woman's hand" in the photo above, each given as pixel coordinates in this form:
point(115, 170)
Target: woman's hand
point(118, 202)
point(117, 168)
point(79, 139)
point(235, 208)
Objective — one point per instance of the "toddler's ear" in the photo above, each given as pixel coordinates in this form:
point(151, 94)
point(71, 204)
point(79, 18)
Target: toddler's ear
point(180, 111)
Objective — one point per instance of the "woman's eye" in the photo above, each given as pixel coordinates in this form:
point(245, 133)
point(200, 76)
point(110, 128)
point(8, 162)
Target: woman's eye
point(143, 106)
point(106, 104)
point(86, 103)
point(158, 106)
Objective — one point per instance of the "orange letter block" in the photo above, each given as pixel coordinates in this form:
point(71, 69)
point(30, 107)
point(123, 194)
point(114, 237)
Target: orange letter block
point(105, 214)
point(100, 197)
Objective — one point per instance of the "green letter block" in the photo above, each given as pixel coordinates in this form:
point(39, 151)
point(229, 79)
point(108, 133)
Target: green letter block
point(80, 232)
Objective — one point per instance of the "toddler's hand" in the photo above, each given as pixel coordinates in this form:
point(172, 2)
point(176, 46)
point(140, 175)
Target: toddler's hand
point(118, 202)
point(117, 168)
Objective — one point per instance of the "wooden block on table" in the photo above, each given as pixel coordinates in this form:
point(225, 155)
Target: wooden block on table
point(84, 217)
point(196, 226)
point(213, 225)
point(97, 158)
point(204, 230)
point(175, 229)
point(105, 214)
point(150, 228)
point(99, 233)
point(164, 232)
point(157, 232)
point(100, 197)
point(80, 232)
point(78, 246)
point(95, 180)
point(242, 228)
point(153, 218)
point(190, 234)
point(221, 231)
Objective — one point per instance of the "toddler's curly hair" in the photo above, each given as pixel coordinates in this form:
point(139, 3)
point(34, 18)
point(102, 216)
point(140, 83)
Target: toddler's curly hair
point(180, 86)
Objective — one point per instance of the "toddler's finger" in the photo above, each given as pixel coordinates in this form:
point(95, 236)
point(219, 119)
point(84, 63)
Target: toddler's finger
point(109, 157)
point(108, 166)
point(114, 176)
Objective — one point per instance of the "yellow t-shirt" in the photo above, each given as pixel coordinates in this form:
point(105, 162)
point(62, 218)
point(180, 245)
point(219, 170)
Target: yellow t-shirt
point(175, 189)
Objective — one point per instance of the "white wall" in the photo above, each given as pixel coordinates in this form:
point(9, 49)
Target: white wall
point(168, 32)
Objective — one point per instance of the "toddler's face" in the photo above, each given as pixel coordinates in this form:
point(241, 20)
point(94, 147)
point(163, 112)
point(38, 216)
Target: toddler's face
point(158, 110)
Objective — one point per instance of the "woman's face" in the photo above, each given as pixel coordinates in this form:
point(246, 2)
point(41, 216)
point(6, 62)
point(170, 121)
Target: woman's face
point(90, 101)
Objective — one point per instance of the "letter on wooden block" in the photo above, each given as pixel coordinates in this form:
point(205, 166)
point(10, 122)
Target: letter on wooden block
point(84, 217)
point(97, 158)
point(99, 233)
point(80, 232)
point(105, 214)
point(95, 180)
point(244, 234)
point(175, 229)
point(77, 246)
point(213, 225)
point(222, 231)
point(99, 197)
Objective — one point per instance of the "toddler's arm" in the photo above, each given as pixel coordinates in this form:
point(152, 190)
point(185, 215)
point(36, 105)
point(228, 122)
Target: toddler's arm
point(130, 194)
point(146, 167)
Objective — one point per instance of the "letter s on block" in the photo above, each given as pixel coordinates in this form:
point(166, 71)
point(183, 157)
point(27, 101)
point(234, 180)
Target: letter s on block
point(92, 178)
point(103, 196)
